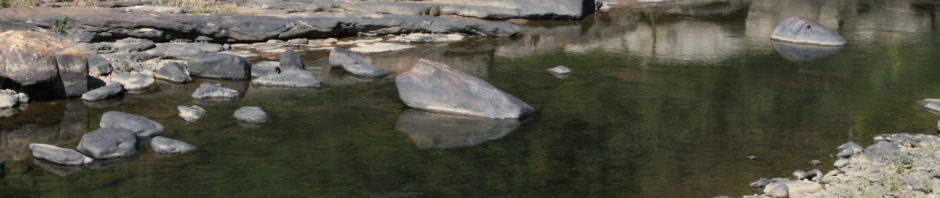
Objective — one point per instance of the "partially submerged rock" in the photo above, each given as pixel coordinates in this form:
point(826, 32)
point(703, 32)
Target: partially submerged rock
point(251, 114)
point(559, 70)
point(133, 82)
point(210, 90)
point(191, 113)
point(290, 60)
point(264, 68)
point(289, 78)
point(107, 143)
point(174, 72)
point(798, 53)
point(355, 64)
point(441, 131)
point(804, 31)
point(162, 145)
point(58, 155)
point(104, 92)
point(219, 65)
point(139, 125)
point(437, 87)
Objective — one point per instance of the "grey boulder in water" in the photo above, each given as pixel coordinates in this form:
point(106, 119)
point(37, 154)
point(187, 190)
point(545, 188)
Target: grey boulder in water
point(437, 87)
point(804, 31)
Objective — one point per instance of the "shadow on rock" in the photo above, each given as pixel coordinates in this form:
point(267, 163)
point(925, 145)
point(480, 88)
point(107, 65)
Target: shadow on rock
point(799, 53)
point(438, 130)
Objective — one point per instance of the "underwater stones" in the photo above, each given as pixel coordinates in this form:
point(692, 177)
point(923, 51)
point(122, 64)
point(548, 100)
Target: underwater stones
point(290, 60)
point(804, 31)
point(220, 66)
point(209, 90)
point(559, 70)
point(437, 87)
point(139, 125)
point(133, 82)
point(355, 64)
point(191, 113)
point(101, 93)
point(58, 155)
point(107, 143)
point(760, 183)
point(264, 68)
point(174, 72)
point(251, 114)
point(288, 78)
point(162, 145)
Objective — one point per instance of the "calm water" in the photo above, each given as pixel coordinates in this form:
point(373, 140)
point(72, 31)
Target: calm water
point(664, 101)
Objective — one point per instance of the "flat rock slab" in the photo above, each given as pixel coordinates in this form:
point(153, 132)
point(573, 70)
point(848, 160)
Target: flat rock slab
point(289, 78)
point(378, 47)
point(140, 125)
point(174, 72)
point(101, 93)
point(804, 31)
point(437, 87)
point(251, 114)
point(162, 145)
point(58, 155)
point(220, 66)
point(210, 90)
point(191, 113)
point(107, 143)
point(133, 82)
point(355, 64)
point(264, 68)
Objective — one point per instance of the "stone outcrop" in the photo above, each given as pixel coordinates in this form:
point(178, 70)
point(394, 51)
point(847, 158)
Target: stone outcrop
point(251, 114)
point(30, 58)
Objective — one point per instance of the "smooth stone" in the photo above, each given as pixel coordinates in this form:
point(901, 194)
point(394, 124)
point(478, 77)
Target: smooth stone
point(29, 58)
point(133, 82)
point(191, 113)
point(219, 65)
point(174, 72)
point(139, 125)
point(251, 114)
point(882, 150)
point(183, 51)
point(778, 191)
point(162, 145)
point(815, 162)
point(760, 183)
point(290, 60)
point(427, 38)
point(58, 155)
point(437, 87)
point(378, 47)
point(289, 78)
point(752, 157)
point(104, 92)
point(792, 187)
point(98, 66)
point(209, 90)
point(559, 70)
point(355, 64)
point(804, 31)
point(107, 143)
point(932, 105)
point(840, 163)
point(264, 68)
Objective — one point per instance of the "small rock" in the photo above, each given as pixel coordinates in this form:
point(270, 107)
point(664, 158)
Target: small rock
point(107, 143)
point(209, 90)
point(251, 114)
point(779, 191)
point(191, 113)
point(815, 162)
point(560, 70)
point(760, 183)
point(264, 68)
point(162, 145)
point(752, 157)
point(289, 78)
point(290, 60)
point(8, 100)
point(133, 82)
point(58, 155)
point(101, 93)
point(355, 64)
point(139, 125)
point(841, 163)
point(174, 72)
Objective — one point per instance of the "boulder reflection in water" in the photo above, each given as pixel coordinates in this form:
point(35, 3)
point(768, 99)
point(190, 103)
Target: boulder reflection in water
point(438, 130)
point(798, 53)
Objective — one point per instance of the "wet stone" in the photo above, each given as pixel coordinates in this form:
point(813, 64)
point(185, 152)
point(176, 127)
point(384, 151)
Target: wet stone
point(251, 114)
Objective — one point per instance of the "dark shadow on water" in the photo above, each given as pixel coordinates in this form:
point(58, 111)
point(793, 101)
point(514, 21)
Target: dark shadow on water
point(799, 53)
point(53, 168)
point(442, 131)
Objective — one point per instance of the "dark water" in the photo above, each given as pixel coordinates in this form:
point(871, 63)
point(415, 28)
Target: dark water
point(664, 101)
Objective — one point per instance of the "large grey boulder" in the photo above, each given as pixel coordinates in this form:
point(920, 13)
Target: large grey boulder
point(219, 65)
point(438, 130)
point(28, 58)
point(133, 82)
point(174, 72)
point(804, 31)
point(162, 145)
point(290, 60)
point(251, 114)
point(107, 143)
point(289, 78)
point(264, 68)
point(191, 113)
point(355, 64)
point(101, 93)
point(437, 87)
point(58, 155)
point(140, 125)
point(209, 90)
point(98, 66)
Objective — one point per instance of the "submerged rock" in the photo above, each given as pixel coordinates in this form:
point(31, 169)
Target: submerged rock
point(264, 68)
point(251, 114)
point(290, 60)
point(219, 65)
point(58, 155)
point(107, 143)
point(209, 90)
point(191, 113)
point(437, 87)
point(101, 93)
point(162, 145)
point(355, 64)
point(174, 72)
point(804, 31)
point(438, 130)
point(797, 53)
point(133, 82)
point(559, 70)
point(139, 125)
point(760, 183)
point(289, 78)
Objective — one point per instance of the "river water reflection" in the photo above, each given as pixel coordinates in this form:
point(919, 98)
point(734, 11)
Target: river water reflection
point(665, 100)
